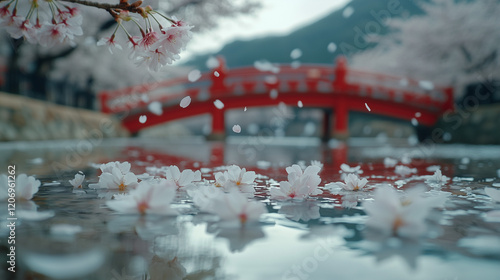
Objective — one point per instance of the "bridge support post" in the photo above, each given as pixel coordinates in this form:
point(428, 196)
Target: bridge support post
point(327, 125)
point(218, 125)
point(341, 122)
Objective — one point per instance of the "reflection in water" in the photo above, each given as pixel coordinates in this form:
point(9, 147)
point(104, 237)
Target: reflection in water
point(300, 210)
point(317, 238)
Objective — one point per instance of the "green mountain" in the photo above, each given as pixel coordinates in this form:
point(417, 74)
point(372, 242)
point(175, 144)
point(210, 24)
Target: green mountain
point(346, 33)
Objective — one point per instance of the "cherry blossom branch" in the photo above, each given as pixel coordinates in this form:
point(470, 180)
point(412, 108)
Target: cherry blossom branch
point(123, 5)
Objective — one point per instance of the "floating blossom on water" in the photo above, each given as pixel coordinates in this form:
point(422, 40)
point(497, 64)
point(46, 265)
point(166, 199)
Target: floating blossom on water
point(25, 187)
point(124, 167)
point(287, 190)
point(352, 183)
point(406, 159)
point(390, 162)
point(317, 163)
point(234, 206)
point(392, 214)
point(184, 179)
point(437, 178)
point(116, 180)
point(493, 193)
point(300, 184)
point(347, 169)
point(236, 177)
point(147, 198)
point(78, 180)
point(404, 170)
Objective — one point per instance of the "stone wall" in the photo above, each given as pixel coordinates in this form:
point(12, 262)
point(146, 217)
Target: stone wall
point(23, 118)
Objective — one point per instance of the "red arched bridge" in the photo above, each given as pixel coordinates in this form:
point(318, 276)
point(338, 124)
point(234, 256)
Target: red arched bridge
point(337, 89)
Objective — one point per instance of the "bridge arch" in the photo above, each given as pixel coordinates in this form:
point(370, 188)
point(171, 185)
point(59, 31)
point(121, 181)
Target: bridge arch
point(337, 89)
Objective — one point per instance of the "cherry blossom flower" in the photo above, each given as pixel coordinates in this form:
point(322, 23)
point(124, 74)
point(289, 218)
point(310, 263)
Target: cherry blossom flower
point(184, 179)
point(116, 180)
point(317, 163)
point(236, 177)
point(300, 184)
point(25, 187)
point(234, 206)
point(51, 34)
point(404, 170)
point(295, 173)
point(111, 42)
point(148, 40)
point(19, 27)
point(147, 198)
point(347, 169)
point(73, 23)
point(220, 179)
point(352, 183)
point(437, 178)
point(77, 181)
point(124, 167)
point(392, 214)
point(295, 190)
point(153, 58)
point(175, 37)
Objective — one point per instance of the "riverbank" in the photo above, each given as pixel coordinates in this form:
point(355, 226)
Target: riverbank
point(27, 119)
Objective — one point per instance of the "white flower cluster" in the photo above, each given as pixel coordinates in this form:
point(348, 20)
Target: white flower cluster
point(61, 28)
point(154, 48)
point(300, 184)
point(116, 176)
point(161, 41)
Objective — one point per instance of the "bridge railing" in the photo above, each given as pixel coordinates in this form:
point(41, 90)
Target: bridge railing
point(285, 79)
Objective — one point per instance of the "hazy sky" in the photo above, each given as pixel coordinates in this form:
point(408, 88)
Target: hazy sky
point(275, 17)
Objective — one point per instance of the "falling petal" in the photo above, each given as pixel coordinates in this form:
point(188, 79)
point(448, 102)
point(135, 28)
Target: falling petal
point(212, 62)
point(300, 104)
point(347, 12)
point(155, 108)
point(143, 118)
point(216, 74)
point(296, 53)
point(185, 101)
point(218, 104)
point(427, 85)
point(368, 108)
point(332, 47)
point(236, 128)
point(194, 75)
